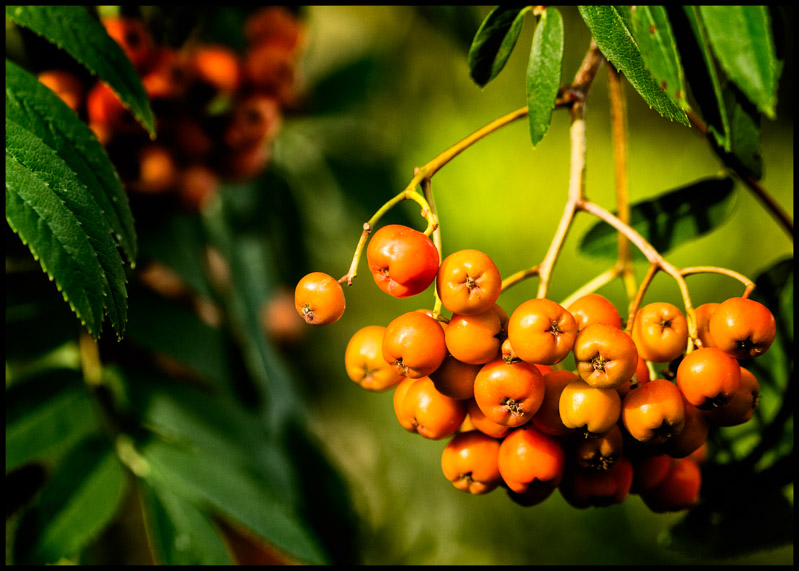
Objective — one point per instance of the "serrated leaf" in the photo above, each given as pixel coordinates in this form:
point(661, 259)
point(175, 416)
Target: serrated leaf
point(744, 120)
point(74, 30)
point(668, 220)
point(76, 503)
point(54, 214)
point(179, 532)
point(701, 73)
point(742, 41)
point(544, 72)
point(653, 34)
point(610, 30)
point(494, 42)
point(36, 108)
point(206, 483)
point(47, 413)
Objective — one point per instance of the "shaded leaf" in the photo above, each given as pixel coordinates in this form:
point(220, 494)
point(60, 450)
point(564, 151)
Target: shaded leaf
point(744, 120)
point(544, 72)
point(205, 482)
point(76, 503)
point(47, 413)
point(179, 532)
point(668, 220)
point(73, 29)
point(611, 32)
point(494, 42)
point(653, 34)
point(37, 109)
point(742, 41)
point(53, 213)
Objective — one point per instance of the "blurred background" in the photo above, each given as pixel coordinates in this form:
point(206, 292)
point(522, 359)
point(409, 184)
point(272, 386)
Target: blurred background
point(382, 90)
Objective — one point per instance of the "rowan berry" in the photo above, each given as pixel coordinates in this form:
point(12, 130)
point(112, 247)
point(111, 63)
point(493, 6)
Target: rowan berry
point(455, 378)
point(66, 85)
point(541, 331)
point(708, 377)
point(594, 308)
point(509, 393)
point(421, 409)
point(599, 453)
point(157, 170)
point(364, 363)
point(548, 419)
point(133, 37)
point(484, 424)
point(592, 410)
point(741, 405)
point(660, 332)
point(597, 488)
point(319, 299)
point(527, 455)
point(606, 357)
point(253, 120)
point(468, 282)
point(414, 344)
point(654, 412)
point(692, 436)
point(216, 65)
point(476, 339)
point(403, 261)
point(743, 327)
point(274, 24)
point(470, 462)
point(702, 314)
point(678, 490)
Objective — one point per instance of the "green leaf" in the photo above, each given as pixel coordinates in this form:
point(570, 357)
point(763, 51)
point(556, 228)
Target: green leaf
point(494, 42)
point(76, 503)
point(179, 532)
point(544, 72)
point(203, 481)
point(47, 413)
point(653, 34)
point(744, 155)
point(36, 108)
point(668, 220)
point(54, 214)
point(742, 41)
point(73, 29)
point(610, 30)
point(701, 72)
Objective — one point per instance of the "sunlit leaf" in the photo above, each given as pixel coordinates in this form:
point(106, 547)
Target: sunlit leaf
point(76, 503)
point(37, 109)
point(494, 42)
point(544, 72)
point(614, 39)
point(653, 34)
point(742, 42)
point(53, 213)
point(668, 220)
point(74, 30)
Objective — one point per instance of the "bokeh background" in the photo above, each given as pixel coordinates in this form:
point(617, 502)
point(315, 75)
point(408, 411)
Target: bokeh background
point(505, 198)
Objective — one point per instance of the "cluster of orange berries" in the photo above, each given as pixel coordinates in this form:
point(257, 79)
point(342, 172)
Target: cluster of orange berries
point(517, 414)
point(217, 110)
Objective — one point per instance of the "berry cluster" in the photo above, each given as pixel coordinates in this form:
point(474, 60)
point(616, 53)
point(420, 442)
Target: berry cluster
point(217, 110)
point(549, 397)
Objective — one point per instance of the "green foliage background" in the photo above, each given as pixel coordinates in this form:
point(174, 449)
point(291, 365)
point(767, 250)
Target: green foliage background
point(390, 89)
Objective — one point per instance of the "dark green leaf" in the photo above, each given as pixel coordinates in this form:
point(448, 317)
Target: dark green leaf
point(494, 42)
point(744, 119)
point(54, 214)
point(742, 41)
point(700, 71)
point(544, 72)
point(47, 413)
point(179, 532)
point(612, 35)
point(74, 30)
point(203, 481)
point(653, 34)
point(39, 110)
point(76, 503)
point(670, 219)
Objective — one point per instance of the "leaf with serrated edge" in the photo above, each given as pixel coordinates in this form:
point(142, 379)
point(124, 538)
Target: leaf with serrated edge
point(655, 39)
point(60, 222)
point(614, 40)
point(74, 30)
point(494, 42)
point(39, 110)
point(544, 73)
point(741, 39)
